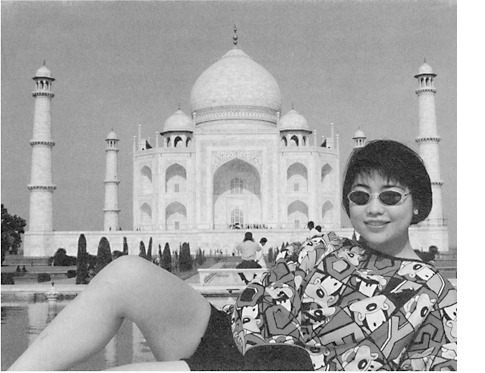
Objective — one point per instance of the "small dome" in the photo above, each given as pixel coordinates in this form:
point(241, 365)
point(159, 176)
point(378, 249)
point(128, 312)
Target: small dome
point(425, 69)
point(359, 134)
point(43, 72)
point(293, 120)
point(178, 121)
point(235, 80)
point(112, 136)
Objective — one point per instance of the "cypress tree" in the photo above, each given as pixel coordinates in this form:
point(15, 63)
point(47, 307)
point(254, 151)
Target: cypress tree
point(166, 261)
point(149, 252)
point(143, 252)
point(125, 246)
point(185, 258)
point(159, 255)
point(103, 258)
point(82, 260)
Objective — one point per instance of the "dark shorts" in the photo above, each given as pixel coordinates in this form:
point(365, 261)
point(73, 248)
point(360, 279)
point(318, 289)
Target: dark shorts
point(218, 351)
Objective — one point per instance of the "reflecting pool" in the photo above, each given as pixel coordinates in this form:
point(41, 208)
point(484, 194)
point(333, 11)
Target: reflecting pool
point(22, 322)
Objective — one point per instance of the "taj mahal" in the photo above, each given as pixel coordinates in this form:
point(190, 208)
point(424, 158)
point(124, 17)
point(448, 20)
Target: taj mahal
point(235, 162)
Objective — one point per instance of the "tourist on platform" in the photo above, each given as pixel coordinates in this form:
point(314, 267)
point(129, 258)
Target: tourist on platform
point(335, 304)
point(248, 250)
point(260, 255)
point(313, 231)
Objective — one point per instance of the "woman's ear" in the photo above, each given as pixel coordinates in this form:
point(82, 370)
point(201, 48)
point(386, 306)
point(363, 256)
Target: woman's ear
point(416, 212)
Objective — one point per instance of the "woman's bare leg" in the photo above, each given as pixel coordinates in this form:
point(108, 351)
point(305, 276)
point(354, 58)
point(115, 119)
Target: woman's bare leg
point(171, 315)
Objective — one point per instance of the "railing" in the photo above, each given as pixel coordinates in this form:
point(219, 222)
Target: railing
point(231, 274)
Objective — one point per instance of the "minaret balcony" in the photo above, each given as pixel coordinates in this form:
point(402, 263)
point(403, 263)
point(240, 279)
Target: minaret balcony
point(42, 143)
point(43, 93)
point(420, 140)
point(48, 188)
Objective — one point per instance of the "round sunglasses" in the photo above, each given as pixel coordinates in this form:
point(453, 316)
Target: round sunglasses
point(388, 197)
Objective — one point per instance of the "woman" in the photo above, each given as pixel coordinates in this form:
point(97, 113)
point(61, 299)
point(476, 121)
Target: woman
point(331, 305)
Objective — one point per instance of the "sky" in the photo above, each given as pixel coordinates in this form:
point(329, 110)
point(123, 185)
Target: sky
point(121, 64)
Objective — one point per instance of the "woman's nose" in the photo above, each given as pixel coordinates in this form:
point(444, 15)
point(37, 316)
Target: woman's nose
point(375, 206)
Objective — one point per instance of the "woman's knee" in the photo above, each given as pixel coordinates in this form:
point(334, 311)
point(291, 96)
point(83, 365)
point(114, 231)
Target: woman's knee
point(127, 272)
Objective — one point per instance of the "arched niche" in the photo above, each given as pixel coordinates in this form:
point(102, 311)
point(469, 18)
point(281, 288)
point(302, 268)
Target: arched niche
point(328, 213)
point(176, 216)
point(297, 214)
point(326, 176)
point(175, 179)
point(146, 184)
point(178, 142)
point(246, 197)
point(297, 178)
point(146, 215)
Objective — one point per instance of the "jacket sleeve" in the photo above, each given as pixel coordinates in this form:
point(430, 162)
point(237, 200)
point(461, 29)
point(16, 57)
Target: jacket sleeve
point(434, 346)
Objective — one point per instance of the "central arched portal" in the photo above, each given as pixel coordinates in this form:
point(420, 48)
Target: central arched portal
point(237, 195)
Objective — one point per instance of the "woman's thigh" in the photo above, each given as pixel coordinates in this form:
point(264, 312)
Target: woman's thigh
point(171, 315)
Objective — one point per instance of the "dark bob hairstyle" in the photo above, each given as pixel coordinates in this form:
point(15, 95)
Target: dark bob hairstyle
point(393, 161)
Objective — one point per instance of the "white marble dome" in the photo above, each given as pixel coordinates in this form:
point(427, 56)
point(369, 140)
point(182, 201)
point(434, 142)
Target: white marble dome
point(425, 69)
point(235, 80)
point(112, 136)
point(43, 72)
point(359, 134)
point(178, 121)
point(293, 120)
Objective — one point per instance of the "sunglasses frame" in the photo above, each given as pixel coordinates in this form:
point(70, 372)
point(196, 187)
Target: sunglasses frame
point(404, 196)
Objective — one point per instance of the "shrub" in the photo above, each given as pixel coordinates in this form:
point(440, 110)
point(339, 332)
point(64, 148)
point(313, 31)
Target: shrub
point(71, 273)
point(7, 279)
point(43, 277)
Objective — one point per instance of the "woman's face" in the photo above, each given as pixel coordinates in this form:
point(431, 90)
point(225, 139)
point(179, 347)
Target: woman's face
point(385, 228)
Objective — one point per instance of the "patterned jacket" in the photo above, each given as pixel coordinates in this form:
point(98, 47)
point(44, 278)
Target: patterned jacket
point(351, 308)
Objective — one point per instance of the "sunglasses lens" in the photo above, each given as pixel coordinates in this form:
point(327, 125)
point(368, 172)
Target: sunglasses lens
point(390, 197)
point(359, 197)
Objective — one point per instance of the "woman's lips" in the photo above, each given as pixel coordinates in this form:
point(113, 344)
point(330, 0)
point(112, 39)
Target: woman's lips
point(376, 223)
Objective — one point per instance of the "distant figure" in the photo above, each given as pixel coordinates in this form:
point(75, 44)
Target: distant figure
point(248, 249)
point(313, 231)
point(319, 228)
point(259, 254)
point(18, 269)
point(24, 269)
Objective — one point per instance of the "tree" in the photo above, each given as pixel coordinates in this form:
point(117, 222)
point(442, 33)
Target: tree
point(143, 252)
point(149, 252)
point(82, 261)
point(12, 230)
point(185, 261)
point(103, 258)
point(125, 246)
point(166, 259)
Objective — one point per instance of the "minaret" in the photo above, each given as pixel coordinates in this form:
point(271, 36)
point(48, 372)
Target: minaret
point(428, 139)
point(41, 186)
point(359, 139)
point(111, 210)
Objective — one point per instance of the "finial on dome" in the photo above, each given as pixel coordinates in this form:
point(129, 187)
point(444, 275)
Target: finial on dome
point(234, 37)
point(292, 106)
point(43, 63)
point(179, 105)
point(424, 59)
